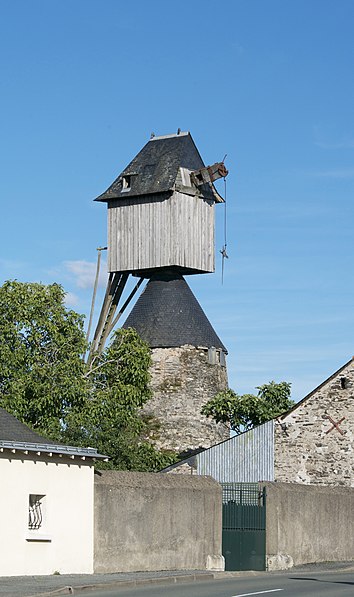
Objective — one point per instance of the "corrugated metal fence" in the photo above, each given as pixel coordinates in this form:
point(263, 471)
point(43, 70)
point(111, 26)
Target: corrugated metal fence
point(247, 458)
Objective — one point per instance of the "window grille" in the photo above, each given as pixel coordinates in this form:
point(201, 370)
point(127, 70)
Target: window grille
point(35, 511)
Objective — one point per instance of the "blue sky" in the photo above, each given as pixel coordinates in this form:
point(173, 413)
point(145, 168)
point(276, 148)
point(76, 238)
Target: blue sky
point(267, 82)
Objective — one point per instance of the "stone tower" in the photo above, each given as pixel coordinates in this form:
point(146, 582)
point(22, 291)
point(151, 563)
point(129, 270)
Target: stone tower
point(189, 365)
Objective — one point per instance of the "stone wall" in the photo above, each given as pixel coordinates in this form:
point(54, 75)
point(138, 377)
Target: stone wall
point(149, 521)
point(308, 524)
point(308, 447)
point(183, 380)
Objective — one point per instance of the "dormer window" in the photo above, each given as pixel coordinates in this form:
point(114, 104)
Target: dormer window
point(126, 182)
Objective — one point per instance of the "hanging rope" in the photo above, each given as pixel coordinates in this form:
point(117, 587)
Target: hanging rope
point(223, 252)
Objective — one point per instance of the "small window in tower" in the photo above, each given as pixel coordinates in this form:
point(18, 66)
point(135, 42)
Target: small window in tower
point(212, 356)
point(343, 383)
point(222, 358)
point(126, 181)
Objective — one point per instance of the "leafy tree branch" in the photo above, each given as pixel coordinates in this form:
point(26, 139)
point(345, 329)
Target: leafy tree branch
point(243, 412)
point(45, 383)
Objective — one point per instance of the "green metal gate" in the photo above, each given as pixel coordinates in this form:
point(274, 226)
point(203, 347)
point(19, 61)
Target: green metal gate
point(243, 522)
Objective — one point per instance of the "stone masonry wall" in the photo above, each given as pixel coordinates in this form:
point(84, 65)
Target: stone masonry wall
point(182, 381)
point(309, 449)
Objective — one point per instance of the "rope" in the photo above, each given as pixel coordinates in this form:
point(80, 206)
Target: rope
point(223, 252)
point(225, 219)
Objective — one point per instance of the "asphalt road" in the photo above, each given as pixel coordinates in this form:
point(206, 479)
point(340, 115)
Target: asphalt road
point(333, 584)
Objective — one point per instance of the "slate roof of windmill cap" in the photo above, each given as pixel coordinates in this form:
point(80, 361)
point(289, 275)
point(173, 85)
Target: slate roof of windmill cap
point(155, 168)
point(167, 314)
point(14, 434)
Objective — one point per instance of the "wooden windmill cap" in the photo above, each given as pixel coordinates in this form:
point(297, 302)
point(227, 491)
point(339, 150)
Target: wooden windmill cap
point(156, 167)
point(167, 314)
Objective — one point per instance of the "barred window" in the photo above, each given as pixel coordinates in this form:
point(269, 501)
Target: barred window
point(35, 511)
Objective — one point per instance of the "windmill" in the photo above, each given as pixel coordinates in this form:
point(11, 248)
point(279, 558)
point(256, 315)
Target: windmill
point(161, 229)
point(160, 218)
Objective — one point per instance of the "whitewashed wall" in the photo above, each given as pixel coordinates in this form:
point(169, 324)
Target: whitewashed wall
point(67, 531)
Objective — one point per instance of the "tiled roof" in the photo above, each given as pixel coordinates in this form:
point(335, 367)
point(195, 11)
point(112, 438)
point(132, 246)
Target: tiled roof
point(155, 168)
point(167, 314)
point(15, 435)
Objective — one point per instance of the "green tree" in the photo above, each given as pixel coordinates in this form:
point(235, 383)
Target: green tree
point(243, 412)
point(41, 343)
point(46, 384)
point(111, 420)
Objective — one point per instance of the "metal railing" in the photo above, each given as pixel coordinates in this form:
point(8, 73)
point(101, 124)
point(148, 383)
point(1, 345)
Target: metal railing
point(35, 514)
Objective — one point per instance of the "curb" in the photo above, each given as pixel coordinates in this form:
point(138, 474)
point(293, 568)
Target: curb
point(161, 580)
point(169, 580)
point(61, 591)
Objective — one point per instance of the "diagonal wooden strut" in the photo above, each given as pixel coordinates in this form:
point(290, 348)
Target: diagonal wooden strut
point(115, 287)
point(107, 319)
point(111, 312)
point(124, 306)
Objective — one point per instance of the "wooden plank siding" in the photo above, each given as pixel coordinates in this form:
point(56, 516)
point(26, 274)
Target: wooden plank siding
point(161, 230)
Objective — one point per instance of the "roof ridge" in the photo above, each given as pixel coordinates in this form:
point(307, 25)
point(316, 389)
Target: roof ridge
point(180, 134)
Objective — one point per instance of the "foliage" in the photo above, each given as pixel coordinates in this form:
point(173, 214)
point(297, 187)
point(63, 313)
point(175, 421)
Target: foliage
point(248, 410)
point(46, 384)
point(111, 421)
point(276, 396)
point(41, 370)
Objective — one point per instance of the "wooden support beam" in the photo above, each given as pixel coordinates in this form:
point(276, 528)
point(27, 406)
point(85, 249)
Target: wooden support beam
point(106, 329)
point(125, 305)
point(115, 286)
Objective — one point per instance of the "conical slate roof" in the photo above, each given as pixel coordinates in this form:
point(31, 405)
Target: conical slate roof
point(167, 314)
point(155, 168)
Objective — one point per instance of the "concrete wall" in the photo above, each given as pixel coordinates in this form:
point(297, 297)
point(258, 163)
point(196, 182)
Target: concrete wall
point(307, 447)
point(308, 524)
point(182, 382)
point(147, 521)
point(64, 543)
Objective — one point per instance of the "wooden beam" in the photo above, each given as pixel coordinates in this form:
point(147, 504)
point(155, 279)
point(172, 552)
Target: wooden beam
point(115, 286)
